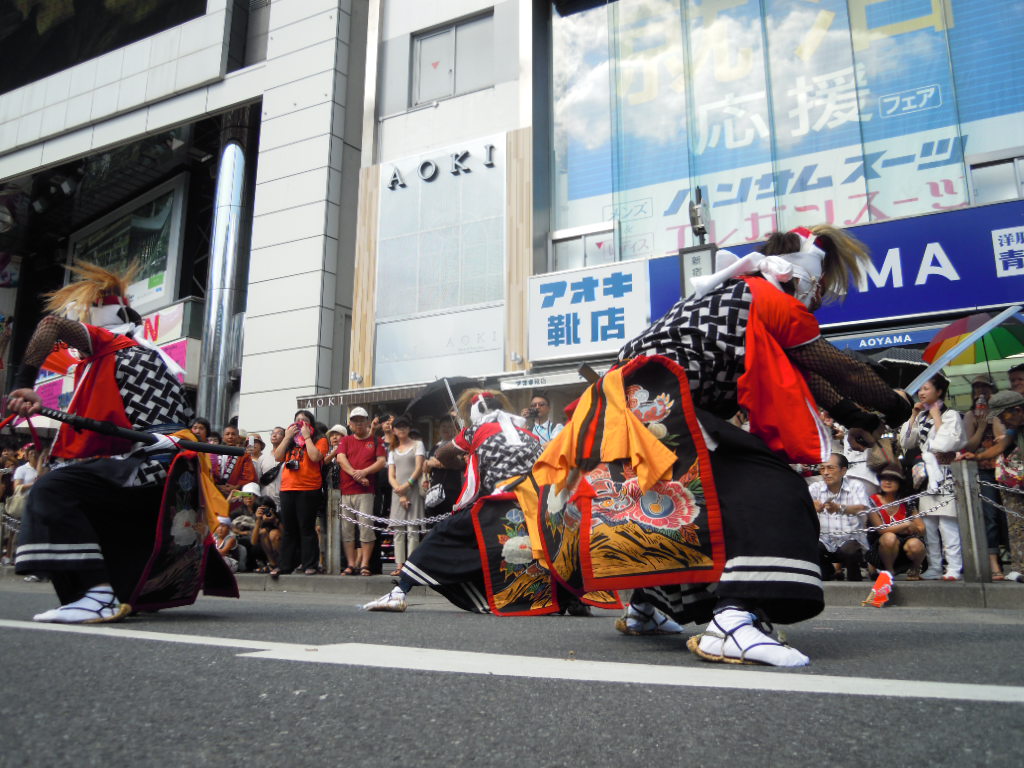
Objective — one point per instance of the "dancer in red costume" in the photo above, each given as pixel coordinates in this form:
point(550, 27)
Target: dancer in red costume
point(90, 523)
point(746, 339)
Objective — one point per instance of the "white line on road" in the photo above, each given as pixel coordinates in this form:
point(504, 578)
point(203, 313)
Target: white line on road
point(473, 663)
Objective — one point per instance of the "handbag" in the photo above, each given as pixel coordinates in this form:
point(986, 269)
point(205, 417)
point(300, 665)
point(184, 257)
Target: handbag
point(1009, 470)
point(270, 475)
point(435, 496)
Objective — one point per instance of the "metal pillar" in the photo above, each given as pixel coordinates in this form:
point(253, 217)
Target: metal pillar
point(222, 287)
point(970, 516)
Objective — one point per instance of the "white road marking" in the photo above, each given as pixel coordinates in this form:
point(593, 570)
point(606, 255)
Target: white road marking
point(474, 663)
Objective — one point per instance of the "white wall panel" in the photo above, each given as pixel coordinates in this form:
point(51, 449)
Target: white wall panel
point(114, 130)
point(275, 332)
point(68, 145)
point(301, 34)
point(277, 261)
point(176, 111)
point(58, 87)
point(104, 101)
point(132, 91)
point(261, 411)
point(285, 294)
point(296, 126)
point(293, 158)
point(314, 89)
point(108, 67)
point(292, 224)
point(290, 11)
point(280, 370)
point(290, 191)
point(136, 57)
point(302, 63)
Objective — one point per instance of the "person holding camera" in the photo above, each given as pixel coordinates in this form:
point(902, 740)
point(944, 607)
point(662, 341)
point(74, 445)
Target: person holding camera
point(538, 419)
point(302, 452)
point(266, 534)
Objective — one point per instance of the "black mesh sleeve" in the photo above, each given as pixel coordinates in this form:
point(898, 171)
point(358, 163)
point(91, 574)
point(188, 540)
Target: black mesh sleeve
point(834, 377)
point(50, 330)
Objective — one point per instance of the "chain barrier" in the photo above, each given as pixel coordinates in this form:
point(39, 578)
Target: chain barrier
point(996, 504)
point(945, 488)
point(390, 526)
point(11, 523)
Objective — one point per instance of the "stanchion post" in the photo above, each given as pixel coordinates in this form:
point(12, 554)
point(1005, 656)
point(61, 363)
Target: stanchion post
point(969, 514)
point(333, 537)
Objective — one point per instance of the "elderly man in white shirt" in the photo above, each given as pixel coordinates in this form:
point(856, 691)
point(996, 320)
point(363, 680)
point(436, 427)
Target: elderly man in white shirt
point(842, 510)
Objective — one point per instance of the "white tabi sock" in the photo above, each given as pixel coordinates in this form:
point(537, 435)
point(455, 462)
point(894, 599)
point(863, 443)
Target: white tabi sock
point(96, 606)
point(732, 634)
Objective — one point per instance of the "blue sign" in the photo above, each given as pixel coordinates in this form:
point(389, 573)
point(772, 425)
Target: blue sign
point(895, 337)
point(922, 266)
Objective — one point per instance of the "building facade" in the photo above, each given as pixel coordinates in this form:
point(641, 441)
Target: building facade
point(215, 141)
point(337, 201)
point(624, 123)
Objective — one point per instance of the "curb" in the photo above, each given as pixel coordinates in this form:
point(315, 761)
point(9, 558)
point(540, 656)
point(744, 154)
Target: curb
point(921, 594)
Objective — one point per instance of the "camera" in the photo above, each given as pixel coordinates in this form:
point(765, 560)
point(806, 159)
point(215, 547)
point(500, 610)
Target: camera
point(533, 412)
point(293, 465)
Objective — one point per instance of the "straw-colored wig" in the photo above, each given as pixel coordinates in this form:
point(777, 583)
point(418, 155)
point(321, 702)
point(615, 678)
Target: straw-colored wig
point(93, 282)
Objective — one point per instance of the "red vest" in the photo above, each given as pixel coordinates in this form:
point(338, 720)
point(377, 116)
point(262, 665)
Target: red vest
point(96, 396)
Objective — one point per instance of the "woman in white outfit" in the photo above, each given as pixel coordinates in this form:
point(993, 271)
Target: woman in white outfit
point(405, 468)
point(937, 432)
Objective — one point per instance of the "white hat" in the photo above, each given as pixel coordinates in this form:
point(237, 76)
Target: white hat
point(358, 412)
point(339, 429)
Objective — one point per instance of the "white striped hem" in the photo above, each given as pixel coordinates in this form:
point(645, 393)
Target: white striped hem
point(84, 546)
point(800, 578)
point(417, 575)
point(70, 556)
point(770, 562)
point(477, 598)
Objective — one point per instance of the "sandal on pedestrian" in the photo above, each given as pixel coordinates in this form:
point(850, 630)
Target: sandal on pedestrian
point(275, 573)
point(396, 572)
point(349, 571)
point(365, 572)
point(998, 576)
point(914, 574)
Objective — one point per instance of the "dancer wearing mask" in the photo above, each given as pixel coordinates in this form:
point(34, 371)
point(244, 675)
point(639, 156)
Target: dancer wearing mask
point(100, 486)
point(710, 524)
point(449, 558)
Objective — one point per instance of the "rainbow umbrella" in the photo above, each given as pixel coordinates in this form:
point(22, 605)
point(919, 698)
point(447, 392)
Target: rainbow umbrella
point(1004, 340)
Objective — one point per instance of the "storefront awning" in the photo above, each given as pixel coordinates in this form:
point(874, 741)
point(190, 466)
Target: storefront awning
point(367, 396)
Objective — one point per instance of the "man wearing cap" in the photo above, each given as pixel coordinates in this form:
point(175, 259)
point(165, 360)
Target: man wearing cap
point(1008, 408)
point(1016, 375)
point(982, 433)
point(361, 456)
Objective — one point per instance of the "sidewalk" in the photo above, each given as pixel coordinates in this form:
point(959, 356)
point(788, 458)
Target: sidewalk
point(918, 594)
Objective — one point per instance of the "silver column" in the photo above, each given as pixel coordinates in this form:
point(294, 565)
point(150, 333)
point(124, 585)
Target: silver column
point(222, 287)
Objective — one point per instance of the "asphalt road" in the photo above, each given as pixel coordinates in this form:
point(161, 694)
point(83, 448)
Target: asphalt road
point(306, 679)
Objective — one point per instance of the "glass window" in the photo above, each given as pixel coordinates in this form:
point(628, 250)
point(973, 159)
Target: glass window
point(435, 66)
point(474, 55)
point(994, 182)
point(456, 59)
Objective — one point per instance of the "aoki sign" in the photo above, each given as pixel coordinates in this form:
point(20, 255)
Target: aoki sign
point(457, 163)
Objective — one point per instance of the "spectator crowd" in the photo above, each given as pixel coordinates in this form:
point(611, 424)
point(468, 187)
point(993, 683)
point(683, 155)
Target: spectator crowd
point(379, 476)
